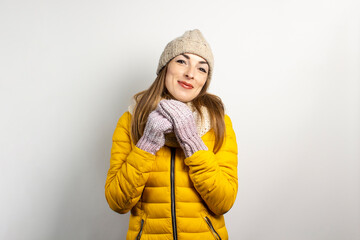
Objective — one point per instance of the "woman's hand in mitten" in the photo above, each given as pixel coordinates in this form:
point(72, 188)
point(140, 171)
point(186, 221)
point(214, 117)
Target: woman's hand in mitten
point(181, 117)
point(154, 133)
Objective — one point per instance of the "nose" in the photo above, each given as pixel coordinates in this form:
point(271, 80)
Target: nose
point(189, 73)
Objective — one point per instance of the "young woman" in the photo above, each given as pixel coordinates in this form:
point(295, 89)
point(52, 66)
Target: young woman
point(174, 154)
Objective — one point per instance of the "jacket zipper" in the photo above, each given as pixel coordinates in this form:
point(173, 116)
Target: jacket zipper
point(172, 179)
point(141, 228)
point(216, 235)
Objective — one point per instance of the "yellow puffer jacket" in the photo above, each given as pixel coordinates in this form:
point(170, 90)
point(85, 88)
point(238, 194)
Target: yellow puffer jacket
point(170, 196)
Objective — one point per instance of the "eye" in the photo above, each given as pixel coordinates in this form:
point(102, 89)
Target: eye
point(202, 69)
point(180, 61)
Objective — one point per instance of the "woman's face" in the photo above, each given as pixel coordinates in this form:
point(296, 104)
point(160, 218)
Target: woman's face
point(186, 75)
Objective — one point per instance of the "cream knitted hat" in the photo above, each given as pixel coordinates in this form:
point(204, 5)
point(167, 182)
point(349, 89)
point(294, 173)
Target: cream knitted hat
point(192, 41)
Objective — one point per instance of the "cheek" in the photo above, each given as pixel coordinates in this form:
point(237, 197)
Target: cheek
point(202, 82)
point(168, 80)
point(170, 75)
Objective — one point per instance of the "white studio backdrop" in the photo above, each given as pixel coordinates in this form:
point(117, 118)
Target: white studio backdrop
point(287, 71)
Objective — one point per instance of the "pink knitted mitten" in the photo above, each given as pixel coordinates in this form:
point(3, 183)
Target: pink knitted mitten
point(154, 133)
point(184, 125)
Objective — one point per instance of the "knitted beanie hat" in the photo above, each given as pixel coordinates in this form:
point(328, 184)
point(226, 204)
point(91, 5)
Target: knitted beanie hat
point(191, 41)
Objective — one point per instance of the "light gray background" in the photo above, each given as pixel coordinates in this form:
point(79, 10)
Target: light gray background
point(287, 71)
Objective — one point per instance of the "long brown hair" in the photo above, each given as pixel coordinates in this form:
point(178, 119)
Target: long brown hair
point(147, 101)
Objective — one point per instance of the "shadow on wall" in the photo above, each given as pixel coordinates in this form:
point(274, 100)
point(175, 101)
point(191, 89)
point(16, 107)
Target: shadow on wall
point(82, 211)
point(116, 225)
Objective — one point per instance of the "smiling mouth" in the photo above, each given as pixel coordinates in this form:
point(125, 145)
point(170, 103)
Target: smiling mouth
point(185, 85)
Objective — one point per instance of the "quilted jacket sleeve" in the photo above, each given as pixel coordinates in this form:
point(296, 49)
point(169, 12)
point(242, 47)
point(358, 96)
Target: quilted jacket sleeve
point(215, 175)
point(129, 169)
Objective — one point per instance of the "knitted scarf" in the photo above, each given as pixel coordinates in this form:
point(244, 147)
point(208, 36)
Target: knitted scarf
point(203, 125)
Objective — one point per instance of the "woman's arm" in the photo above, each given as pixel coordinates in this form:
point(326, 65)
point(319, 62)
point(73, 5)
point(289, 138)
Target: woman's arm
point(215, 175)
point(129, 169)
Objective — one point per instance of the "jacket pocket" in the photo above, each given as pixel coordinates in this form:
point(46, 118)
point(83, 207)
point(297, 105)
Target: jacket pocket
point(138, 237)
point(212, 229)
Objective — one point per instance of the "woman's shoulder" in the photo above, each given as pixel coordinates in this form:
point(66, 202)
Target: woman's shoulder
point(227, 119)
point(229, 129)
point(125, 120)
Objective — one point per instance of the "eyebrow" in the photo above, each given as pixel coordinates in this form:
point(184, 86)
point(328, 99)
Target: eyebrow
point(187, 57)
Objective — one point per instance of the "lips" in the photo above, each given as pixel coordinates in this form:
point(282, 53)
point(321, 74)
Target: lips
point(185, 85)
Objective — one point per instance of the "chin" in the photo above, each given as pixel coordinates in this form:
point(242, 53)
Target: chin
point(184, 99)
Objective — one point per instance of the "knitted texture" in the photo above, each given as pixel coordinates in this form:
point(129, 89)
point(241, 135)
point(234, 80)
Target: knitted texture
point(154, 133)
point(184, 125)
point(203, 124)
point(191, 41)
